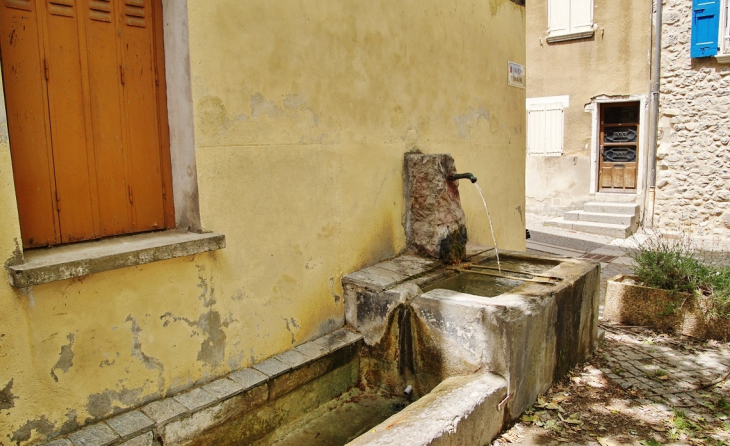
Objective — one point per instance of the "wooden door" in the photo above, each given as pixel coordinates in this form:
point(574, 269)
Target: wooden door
point(87, 117)
point(619, 147)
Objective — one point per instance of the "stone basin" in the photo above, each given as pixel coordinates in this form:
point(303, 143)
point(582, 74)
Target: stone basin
point(530, 334)
point(474, 363)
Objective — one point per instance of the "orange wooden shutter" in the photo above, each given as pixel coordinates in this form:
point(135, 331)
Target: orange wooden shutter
point(87, 117)
point(106, 93)
point(140, 100)
point(73, 161)
point(28, 124)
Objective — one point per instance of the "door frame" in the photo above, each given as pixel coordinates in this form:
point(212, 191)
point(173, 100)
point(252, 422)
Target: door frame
point(595, 110)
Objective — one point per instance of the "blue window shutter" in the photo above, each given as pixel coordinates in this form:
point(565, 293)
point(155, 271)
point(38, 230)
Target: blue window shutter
point(705, 27)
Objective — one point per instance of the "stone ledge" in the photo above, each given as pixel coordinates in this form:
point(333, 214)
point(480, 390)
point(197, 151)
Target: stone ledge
point(571, 36)
point(81, 259)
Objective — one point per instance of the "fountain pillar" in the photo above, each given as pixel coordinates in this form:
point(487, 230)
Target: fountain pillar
point(435, 222)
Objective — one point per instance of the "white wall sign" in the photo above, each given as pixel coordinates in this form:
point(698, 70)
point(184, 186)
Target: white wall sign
point(516, 75)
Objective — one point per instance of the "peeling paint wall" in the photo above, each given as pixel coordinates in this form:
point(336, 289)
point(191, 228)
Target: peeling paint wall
point(302, 111)
point(614, 62)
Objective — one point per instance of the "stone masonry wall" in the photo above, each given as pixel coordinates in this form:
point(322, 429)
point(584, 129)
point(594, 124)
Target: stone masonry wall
point(693, 163)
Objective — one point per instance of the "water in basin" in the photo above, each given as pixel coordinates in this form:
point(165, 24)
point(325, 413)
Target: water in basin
point(490, 286)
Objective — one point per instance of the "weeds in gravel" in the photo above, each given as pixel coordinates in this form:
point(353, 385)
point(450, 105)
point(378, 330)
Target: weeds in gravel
point(723, 405)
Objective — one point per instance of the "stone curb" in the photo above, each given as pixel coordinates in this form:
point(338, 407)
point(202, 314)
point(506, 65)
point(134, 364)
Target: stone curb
point(141, 426)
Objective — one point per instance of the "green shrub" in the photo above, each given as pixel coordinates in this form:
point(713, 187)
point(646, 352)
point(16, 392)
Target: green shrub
point(674, 266)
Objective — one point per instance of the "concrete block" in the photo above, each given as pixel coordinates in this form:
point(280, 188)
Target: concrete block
point(408, 265)
point(190, 428)
point(248, 378)
point(338, 339)
point(292, 358)
point(272, 367)
point(164, 411)
point(296, 378)
point(312, 350)
point(130, 424)
point(572, 216)
point(374, 278)
point(147, 439)
point(223, 388)
point(95, 435)
point(196, 399)
point(462, 410)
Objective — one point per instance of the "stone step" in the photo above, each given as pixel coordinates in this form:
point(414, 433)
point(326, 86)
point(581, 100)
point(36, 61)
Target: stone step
point(615, 198)
point(607, 229)
point(597, 217)
point(612, 208)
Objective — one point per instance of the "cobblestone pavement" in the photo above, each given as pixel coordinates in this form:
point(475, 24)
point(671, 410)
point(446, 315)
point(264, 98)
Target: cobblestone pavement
point(641, 387)
point(675, 375)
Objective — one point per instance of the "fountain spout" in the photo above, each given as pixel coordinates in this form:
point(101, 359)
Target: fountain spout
point(461, 176)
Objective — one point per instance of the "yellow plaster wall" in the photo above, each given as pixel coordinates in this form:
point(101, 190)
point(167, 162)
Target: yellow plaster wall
point(303, 111)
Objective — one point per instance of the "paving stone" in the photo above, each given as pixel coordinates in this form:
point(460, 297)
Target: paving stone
point(272, 367)
point(130, 424)
point(95, 435)
point(292, 358)
point(164, 411)
point(61, 442)
point(196, 399)
point(248, 377)
point(223, 388)
point(147, 439)
point(312, 350)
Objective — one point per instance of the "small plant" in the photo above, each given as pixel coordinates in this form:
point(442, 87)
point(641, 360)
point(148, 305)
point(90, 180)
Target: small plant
point(723, 405)
point(651, 442)
point(673, 265)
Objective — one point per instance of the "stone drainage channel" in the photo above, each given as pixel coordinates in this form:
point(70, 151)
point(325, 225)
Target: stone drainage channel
point(468, 364)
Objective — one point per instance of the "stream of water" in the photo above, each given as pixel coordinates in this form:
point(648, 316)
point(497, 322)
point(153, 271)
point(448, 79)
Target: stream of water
point(491, 226)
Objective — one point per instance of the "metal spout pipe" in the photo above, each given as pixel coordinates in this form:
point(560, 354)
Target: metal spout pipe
point(462, 176)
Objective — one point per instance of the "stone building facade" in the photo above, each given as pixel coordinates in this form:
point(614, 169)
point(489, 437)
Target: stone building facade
point(693, 164)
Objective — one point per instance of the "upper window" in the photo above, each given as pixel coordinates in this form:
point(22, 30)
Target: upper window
point(569, 19)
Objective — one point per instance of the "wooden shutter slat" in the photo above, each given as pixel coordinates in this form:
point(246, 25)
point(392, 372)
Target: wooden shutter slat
point(63, 8)
point(19, 4)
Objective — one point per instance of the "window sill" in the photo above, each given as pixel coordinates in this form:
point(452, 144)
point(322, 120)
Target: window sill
point(571, 36)
point(81, 259)
point(723, 58)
